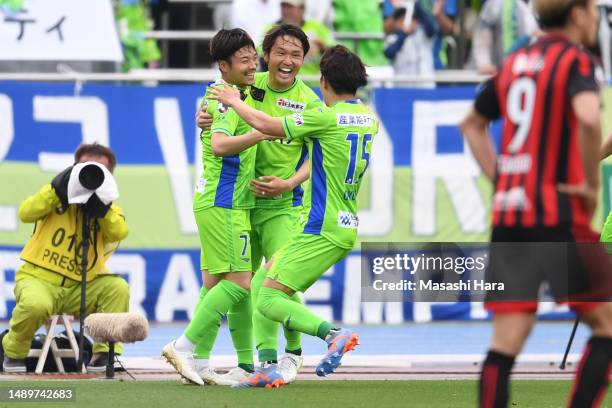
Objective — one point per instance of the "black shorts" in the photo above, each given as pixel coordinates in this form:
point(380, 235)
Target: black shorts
point(523, 259)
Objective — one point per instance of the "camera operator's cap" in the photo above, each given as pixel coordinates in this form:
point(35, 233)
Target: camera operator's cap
point(295, 3)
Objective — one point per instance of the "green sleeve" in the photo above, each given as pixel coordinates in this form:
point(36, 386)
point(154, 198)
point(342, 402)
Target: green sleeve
point(225, 121)
point(314, 103)
point(312, 123)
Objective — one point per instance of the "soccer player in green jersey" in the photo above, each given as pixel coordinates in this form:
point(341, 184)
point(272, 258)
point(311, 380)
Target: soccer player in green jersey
point(222, 205)
point(339, 139)
point(280, 169)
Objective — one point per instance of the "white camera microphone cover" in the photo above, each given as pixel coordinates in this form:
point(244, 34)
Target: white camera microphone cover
point(77, 194)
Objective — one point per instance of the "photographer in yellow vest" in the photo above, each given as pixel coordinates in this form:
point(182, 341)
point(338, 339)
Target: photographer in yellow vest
point(49, 282)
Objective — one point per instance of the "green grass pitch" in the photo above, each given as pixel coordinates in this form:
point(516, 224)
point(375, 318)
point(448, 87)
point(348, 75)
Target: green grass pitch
point(430, 394)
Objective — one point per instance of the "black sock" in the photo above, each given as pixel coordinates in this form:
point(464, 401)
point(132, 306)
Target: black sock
point(494, 380)
point(297, 352)
point(593, 372)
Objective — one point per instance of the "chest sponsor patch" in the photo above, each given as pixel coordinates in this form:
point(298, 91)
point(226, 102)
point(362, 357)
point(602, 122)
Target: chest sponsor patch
point(291, 105)
point(513, 199)
point(347, 220)
point(354, 119)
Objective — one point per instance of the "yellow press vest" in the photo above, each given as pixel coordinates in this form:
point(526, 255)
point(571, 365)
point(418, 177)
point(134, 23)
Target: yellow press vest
point(57, 245)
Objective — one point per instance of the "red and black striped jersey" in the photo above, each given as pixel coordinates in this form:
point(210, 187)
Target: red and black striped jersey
point(539, 145)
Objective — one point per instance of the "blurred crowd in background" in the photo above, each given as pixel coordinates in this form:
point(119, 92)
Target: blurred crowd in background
point(411, 37)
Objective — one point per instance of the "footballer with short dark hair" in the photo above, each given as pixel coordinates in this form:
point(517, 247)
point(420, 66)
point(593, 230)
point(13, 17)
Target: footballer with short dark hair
point(339, 138)
point(221, 206)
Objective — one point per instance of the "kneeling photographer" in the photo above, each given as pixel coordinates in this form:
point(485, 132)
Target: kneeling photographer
point(49, 282)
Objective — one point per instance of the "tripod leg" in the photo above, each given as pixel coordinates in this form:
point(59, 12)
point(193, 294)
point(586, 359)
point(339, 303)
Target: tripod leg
point(85, 232)
point(569, 344)
point(110, 366)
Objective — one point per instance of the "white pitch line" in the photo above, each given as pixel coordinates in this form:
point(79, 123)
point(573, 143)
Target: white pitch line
point(390, 361)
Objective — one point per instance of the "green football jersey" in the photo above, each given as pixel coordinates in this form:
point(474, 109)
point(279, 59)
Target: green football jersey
point(225, 180)
point(339, 140)
point(281, 158)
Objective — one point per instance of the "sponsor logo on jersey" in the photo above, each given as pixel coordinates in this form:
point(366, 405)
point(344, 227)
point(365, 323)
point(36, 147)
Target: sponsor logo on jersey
point(519, 164)
point(354, 119)
point(347, 220)
point(222, 108)
point(298, 119)
point(515, 198)
point(291, 105)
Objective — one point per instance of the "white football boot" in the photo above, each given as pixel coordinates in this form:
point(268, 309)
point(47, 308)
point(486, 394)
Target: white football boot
point(233, 376)
point(183, 363)
point(211, 377)
point(289, 365)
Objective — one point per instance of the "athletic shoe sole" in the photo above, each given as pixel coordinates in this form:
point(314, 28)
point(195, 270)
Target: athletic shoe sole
point(276, 384)
point(334, 360)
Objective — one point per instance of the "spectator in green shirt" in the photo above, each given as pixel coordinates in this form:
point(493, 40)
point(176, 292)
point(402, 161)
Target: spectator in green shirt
point(133, 21)
point(366, 17)
point(319, 36)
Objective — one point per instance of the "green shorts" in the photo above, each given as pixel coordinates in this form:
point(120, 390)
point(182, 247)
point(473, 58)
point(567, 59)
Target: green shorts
point(224, 239)
point(271, 228)
point(303, 260)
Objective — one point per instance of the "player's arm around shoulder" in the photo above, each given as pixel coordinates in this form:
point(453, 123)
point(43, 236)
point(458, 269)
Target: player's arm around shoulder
point(261, 121)
point(38, 205)
point(203, 116)
point(224, 141)
point(223, 145)
point(311, 123)
point(113, 226)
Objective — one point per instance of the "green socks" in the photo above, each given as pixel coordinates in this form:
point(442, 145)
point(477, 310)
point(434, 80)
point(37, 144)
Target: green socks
point(241, 330)
point(265, 330)
point(205, 345)
point(240, 322)
point(278, 306)
point(212, 308)
point(293, 337)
